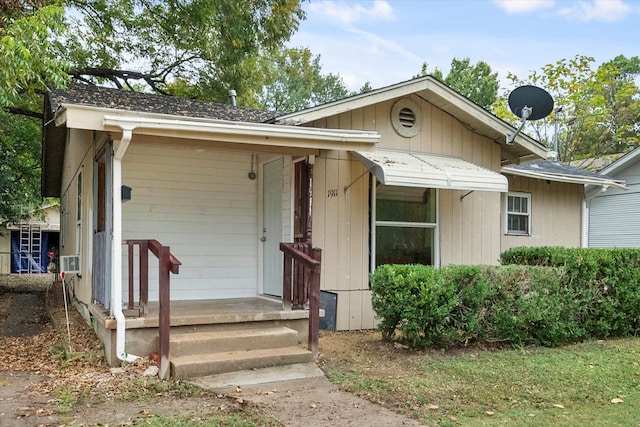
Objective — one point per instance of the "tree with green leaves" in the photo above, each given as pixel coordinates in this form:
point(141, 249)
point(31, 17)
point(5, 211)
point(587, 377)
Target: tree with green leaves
point(193, 48)
point(211, 46)
point(19, 167)
point(29, 54)
point(596, 110)
point(477, 82)
point(296, 82)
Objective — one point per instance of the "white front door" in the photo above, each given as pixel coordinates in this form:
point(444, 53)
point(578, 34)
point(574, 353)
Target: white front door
point(272, 227)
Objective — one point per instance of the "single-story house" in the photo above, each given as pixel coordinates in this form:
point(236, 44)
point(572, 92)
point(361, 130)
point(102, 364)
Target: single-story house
point(613, 214)
point(410, 173)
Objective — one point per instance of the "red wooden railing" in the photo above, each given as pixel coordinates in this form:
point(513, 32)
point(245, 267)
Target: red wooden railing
point(301, 284)
point(167, 263)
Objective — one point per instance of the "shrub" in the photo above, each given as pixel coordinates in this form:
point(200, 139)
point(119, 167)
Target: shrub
point(606, 281)
point(555, 296)
point(412, 300)
point(531, 305)
point(467, 319)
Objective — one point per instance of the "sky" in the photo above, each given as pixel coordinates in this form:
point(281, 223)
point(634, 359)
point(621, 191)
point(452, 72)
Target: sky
point(386, 41)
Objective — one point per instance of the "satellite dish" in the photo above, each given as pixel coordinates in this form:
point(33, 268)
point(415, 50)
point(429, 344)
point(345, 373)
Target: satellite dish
point(533, 97)
point(529, 103)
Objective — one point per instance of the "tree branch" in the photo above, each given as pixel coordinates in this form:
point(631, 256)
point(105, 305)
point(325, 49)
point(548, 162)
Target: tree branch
point(25, 112)
point(123, 77)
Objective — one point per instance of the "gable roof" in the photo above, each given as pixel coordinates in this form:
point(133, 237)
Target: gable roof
point(433, 91)
point(127, 100)
point(57, 100)
point(557, 171)
point(596, 164)
point(622, 163)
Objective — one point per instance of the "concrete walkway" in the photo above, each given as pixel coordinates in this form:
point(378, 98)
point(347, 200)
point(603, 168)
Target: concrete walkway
point(301, 396)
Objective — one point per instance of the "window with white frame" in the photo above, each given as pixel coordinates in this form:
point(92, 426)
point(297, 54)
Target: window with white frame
point(404, 225)
point(518, 214)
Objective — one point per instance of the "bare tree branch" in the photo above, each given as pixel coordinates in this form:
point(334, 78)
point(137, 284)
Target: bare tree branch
point(156, 80)
point(25, 112)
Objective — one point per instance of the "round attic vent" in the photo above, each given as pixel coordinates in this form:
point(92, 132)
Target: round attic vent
point(406, 117)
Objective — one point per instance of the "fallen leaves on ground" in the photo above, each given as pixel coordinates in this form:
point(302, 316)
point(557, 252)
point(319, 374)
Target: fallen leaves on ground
point(78, 373)
point(80, 365)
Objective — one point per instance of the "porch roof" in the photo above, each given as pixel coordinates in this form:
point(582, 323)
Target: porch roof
point(132, 101)
point(178, 122)
point(410, 169)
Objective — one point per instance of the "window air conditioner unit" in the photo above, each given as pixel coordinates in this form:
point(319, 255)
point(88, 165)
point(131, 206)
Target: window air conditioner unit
point(70, 264)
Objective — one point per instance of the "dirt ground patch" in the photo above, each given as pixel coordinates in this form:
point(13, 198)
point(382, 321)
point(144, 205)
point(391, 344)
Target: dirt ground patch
point(43, 383)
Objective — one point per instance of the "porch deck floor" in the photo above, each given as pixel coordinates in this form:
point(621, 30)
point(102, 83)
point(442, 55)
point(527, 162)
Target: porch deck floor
point(197, 312)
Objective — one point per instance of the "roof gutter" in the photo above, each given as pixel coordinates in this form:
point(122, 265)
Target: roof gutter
point(244, 129)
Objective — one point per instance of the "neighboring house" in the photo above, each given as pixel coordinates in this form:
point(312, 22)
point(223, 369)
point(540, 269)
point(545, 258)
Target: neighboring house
point(613, 214)
point(409, 173)
point(24, 246)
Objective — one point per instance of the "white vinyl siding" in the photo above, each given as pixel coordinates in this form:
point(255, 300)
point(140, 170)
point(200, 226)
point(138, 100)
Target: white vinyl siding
point(613, 215)
point(613, 221)
point(202, 205)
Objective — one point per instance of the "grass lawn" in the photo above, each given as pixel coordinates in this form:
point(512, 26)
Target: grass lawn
point(593, 383)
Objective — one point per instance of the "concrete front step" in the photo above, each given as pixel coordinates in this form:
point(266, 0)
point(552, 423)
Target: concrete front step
point(228, 381)
point(198, 365)
point(186, 344)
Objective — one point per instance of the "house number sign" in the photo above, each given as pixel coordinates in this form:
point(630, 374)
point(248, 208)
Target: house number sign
point(332, 193)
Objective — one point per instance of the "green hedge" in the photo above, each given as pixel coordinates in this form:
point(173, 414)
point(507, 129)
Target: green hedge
point(550, 296)
point(607, 279)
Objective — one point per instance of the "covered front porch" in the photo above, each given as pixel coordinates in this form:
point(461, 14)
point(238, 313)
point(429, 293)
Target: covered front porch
point(220, 188)
point(210, 336)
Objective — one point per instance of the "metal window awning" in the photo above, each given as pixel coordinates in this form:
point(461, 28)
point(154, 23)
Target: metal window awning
point(411, 169)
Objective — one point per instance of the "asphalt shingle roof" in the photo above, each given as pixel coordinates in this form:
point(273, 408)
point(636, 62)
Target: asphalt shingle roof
point(102, 97)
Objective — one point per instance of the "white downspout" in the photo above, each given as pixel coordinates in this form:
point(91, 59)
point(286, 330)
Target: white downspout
point(585, 223)
point(116, 248)
point(586, 206)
